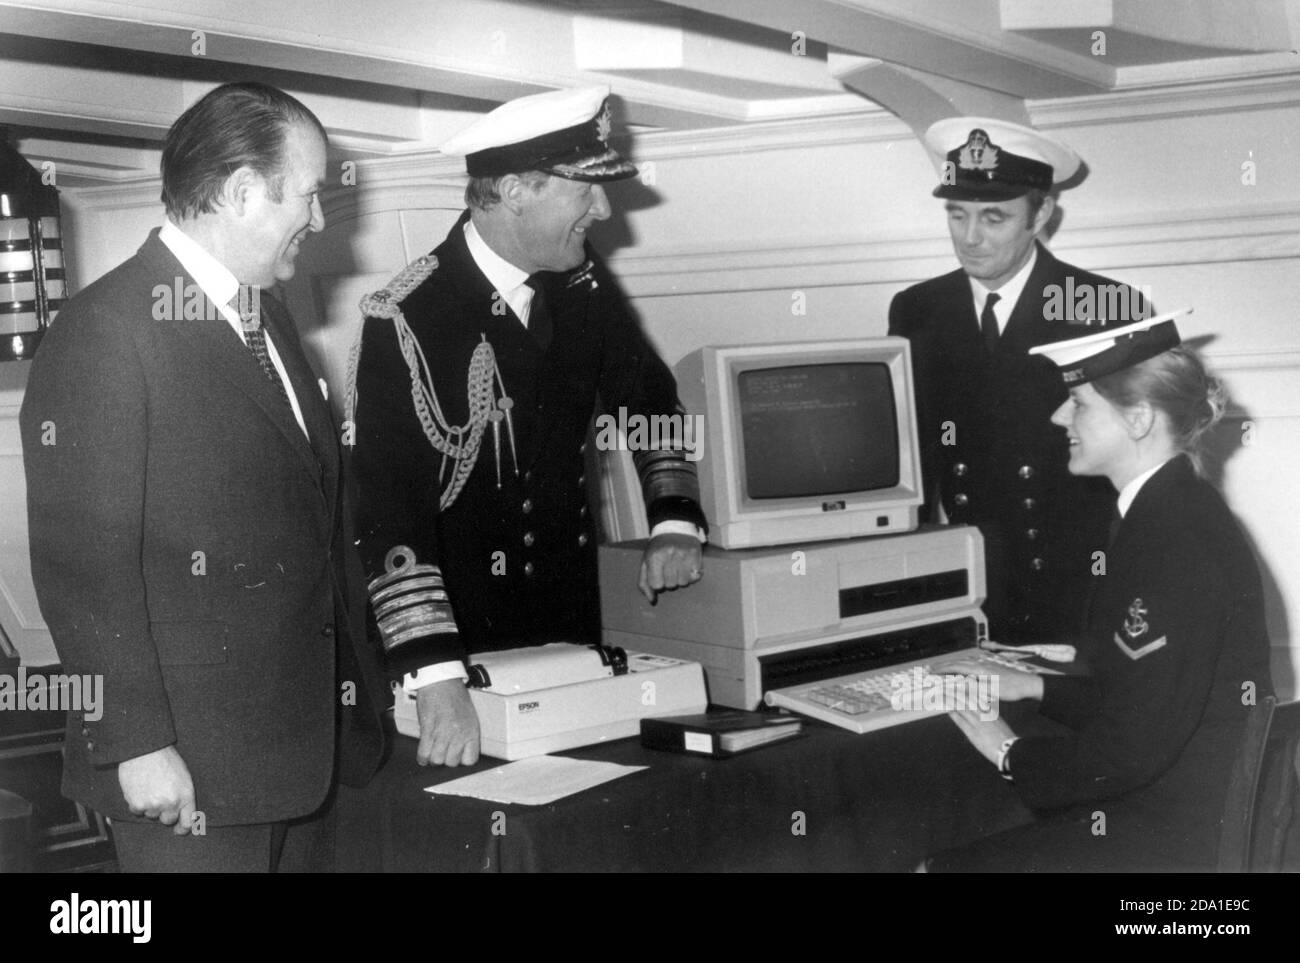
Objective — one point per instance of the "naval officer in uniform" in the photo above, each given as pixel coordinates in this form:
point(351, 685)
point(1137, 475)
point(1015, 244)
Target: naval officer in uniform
point(480, 368)
point(990, 457)
point(1176, 641)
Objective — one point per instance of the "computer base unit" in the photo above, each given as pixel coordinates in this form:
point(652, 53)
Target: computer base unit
point(773, 617)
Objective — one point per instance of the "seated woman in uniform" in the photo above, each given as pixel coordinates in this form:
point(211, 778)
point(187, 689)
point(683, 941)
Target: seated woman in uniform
point(1135, 779)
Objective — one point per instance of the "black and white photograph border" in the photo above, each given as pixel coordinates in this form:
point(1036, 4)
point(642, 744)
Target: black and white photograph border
point(784, 194)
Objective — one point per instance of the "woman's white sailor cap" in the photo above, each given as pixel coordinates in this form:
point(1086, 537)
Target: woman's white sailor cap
point(562, 132)
point(1095, 355)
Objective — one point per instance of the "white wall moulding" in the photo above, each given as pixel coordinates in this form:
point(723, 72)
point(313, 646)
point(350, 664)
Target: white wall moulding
point(658, 268)
point(1172, 238)
point(1200, 95)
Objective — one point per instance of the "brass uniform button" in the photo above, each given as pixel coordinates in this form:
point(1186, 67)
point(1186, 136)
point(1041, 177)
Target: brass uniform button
point(529, 538)
point(960, 500)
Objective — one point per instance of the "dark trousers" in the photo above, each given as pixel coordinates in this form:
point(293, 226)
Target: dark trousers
point(303, 845)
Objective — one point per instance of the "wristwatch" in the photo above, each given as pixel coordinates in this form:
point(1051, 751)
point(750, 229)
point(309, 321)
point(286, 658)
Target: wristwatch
point(1004, 761)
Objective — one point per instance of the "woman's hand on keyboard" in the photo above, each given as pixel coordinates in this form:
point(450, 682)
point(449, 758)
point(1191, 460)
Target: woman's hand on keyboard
point(1013, 686)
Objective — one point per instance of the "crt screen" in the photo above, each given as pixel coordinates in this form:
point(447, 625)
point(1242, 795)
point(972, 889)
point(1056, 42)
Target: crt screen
point(818, 429)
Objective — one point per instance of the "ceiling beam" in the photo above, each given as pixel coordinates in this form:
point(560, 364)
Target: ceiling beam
point(919, 99)
point(963, 41)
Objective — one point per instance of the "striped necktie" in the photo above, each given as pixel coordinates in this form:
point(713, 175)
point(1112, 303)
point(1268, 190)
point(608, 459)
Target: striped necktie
point(255, 338)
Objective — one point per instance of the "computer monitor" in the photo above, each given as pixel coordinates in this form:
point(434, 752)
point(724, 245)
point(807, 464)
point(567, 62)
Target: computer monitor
point(804, 441)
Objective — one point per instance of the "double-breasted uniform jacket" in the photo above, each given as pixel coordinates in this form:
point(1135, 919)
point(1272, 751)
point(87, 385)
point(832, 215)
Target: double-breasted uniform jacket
point(515, 552)
point(1178, 648)
point(190, 545)
point(988, 443)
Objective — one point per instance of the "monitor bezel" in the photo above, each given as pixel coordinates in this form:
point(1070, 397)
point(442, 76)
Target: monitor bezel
point(739, 521)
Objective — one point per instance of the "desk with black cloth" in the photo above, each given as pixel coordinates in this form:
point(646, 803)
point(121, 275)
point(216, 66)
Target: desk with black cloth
point(826, 801)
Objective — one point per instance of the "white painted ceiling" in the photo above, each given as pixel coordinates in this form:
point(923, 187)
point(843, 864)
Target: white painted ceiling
point(93, 85)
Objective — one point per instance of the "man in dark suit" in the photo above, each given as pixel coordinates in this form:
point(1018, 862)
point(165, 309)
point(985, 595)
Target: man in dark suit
point(475, 529)
point(990, 455)
point(188, 533)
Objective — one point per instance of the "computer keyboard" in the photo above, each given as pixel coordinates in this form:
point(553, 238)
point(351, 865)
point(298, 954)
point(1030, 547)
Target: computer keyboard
point(864, 702)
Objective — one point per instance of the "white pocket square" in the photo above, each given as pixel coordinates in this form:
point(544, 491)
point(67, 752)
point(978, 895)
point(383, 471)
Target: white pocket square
point(324, 388)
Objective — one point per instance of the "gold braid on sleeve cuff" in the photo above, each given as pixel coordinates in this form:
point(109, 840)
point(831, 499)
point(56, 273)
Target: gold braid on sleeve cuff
point(409, 600)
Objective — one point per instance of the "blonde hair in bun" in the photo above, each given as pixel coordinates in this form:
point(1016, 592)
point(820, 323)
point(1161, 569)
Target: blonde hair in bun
point(1177, 383)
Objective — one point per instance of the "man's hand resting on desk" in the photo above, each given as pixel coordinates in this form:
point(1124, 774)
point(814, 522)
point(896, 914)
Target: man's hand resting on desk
point(158, 785)
point(449, 733)
point(670, 561)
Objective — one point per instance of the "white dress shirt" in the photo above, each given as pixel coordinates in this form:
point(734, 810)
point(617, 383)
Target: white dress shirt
point(1008, 294)
point(222, 287)
point(1131, 490)
point(507, 280)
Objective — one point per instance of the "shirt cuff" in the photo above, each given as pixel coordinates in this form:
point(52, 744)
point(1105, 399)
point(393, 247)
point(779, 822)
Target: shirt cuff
point(678, 527)
point(440, 672)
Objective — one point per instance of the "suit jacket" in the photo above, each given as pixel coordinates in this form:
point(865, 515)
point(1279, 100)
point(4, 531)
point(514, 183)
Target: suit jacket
point(517, 548)
point(988, 443)
point(188, 543)
point(1176, 638)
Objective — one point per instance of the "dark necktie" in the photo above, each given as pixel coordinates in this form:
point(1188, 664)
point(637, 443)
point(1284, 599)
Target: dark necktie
point(1112, 531)
point(255, 336)
point(989, 324)
point(539, 315)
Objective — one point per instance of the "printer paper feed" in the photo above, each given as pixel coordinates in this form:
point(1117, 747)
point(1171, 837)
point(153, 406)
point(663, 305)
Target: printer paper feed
point(543, 667)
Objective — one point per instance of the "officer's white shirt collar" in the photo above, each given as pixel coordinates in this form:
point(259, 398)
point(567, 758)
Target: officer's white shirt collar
point(1008, 294)
point(507, 279)
point(1131, 490)
point(221, 287)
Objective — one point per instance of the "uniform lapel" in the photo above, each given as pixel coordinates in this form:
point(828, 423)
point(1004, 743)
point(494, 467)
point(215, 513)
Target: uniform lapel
point(1027, 327)
point(963, 339)
point(518, 356)
point(323, 450)
point(569, 309)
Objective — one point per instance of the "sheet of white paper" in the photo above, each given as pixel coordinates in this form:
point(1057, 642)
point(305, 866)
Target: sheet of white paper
point(535, 781)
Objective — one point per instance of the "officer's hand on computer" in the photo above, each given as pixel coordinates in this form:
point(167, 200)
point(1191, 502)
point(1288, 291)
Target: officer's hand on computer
point(670, 561)
point(449, 733)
